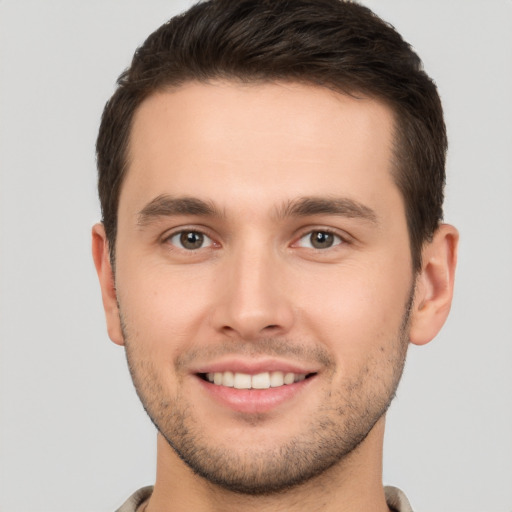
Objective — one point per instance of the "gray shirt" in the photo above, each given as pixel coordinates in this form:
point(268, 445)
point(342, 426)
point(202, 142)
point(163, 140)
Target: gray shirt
point(395, 499)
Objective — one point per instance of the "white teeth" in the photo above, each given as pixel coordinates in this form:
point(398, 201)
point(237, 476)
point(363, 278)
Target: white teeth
point(276, 379)
point(242, 381)
point(228, 379)
point(262, 380)
point(289, 378)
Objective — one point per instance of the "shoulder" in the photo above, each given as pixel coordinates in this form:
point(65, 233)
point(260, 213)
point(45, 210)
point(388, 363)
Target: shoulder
point(397, 501)
point(136, 500)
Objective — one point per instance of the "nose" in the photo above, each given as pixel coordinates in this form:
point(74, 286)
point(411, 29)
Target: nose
point(255, 300)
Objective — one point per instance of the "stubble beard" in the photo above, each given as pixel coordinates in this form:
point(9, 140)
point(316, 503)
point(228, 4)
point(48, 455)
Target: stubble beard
point(331, 436)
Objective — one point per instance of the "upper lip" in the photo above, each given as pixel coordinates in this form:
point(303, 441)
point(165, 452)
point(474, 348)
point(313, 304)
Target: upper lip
point(255, 366)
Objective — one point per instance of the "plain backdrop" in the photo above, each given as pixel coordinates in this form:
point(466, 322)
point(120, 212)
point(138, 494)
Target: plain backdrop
point(73, 436)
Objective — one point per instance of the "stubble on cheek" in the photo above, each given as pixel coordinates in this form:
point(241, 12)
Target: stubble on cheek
point(341, 421)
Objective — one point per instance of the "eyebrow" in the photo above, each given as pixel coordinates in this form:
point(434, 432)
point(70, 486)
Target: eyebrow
point(341, 206)
point(168, 206)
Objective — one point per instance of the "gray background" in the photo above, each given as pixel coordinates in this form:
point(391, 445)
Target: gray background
point(73, 436)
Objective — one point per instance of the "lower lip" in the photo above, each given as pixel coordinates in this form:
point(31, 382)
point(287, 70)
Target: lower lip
point(254, 401)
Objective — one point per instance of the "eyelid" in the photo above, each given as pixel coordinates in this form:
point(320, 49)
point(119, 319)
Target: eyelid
point(168, 235)
point(341, 236)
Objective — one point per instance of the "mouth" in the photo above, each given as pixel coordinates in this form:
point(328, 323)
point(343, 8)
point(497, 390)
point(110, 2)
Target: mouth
point(256, 386)
point(262, 380)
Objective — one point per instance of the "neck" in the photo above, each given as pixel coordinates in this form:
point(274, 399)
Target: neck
point(351, 485)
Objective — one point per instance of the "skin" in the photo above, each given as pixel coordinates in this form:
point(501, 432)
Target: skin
point(257, 292)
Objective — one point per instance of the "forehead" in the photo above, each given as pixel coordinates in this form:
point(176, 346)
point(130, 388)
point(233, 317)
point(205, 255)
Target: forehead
point(220, 139)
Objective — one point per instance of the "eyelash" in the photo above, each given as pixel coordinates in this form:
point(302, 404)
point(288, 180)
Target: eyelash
point(337, 239)
point(183, 232)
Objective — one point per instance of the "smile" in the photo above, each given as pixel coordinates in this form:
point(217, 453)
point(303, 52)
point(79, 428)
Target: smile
point(255, 387)
point(263, 380)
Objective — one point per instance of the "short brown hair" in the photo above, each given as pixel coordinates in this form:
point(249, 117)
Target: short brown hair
point(336, 44)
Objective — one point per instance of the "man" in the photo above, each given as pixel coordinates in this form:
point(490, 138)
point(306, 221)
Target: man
point(271, 178)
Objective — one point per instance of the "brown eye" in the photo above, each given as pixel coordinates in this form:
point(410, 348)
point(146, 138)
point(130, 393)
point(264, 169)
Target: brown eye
point(320, 240)
point(190, 240)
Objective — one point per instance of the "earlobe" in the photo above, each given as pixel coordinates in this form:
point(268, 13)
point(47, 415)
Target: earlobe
point(434, 285)
point(101, 256)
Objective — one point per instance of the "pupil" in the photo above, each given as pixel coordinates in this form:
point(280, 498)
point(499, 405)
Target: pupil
point(321, 239)
point(191, 240)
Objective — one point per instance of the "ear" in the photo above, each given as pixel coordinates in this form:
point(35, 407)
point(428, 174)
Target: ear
point(434, 285)
point(101, 256)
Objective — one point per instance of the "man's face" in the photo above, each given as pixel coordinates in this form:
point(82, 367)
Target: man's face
point(262, 244)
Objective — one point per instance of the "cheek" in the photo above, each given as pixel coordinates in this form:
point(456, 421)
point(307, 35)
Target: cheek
point(163, 307)
point(357, 312)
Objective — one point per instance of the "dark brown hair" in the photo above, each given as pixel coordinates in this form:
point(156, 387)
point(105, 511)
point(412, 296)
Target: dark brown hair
point(331, 43)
